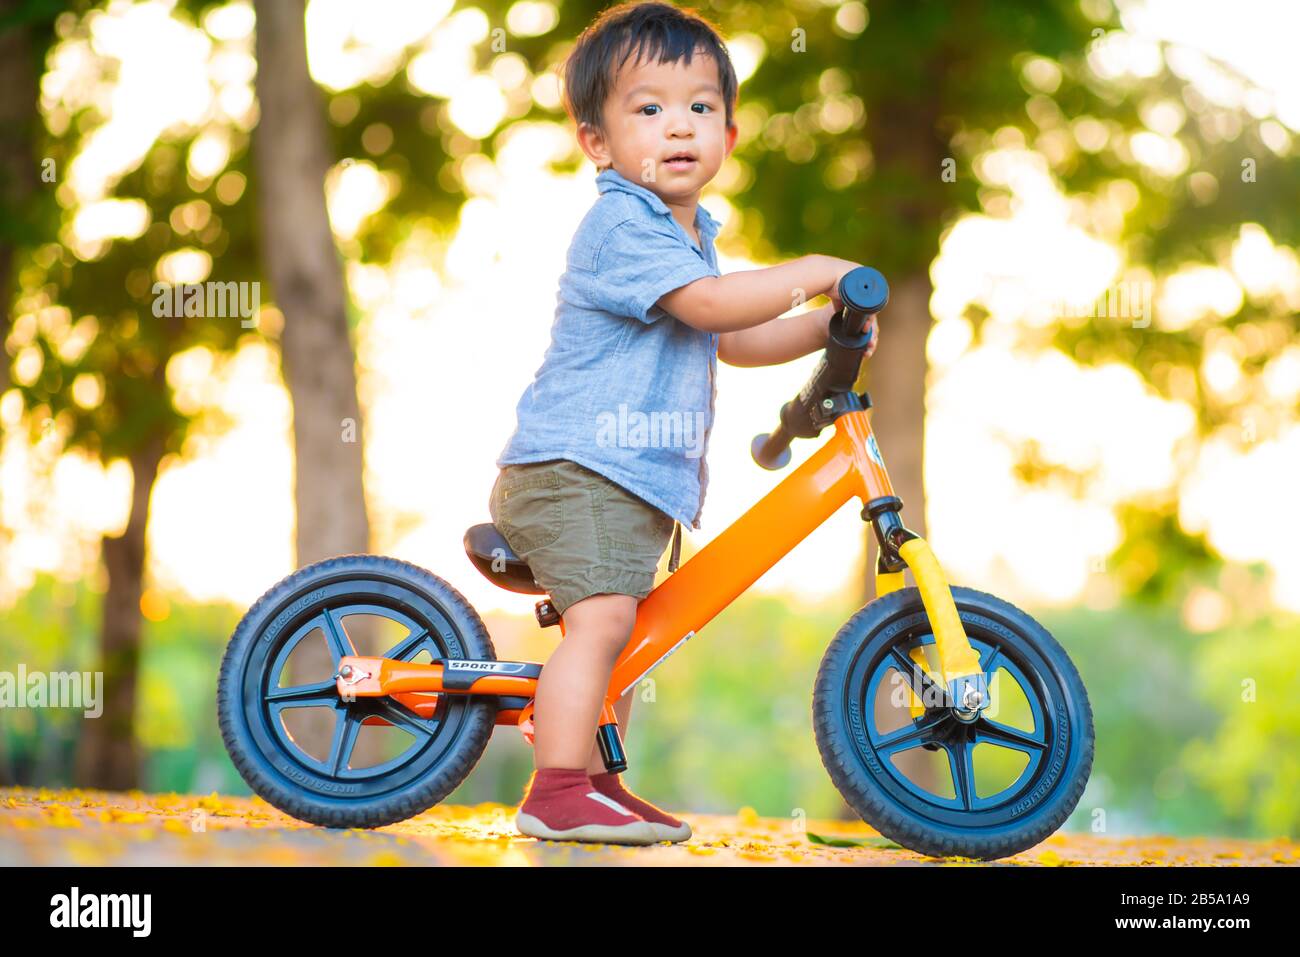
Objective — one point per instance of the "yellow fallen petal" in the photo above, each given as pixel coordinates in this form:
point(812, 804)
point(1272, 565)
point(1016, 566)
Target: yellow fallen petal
point(128, 817)
point(60, 816)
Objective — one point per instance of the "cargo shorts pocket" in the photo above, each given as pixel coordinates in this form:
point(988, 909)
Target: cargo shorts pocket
point(525, 506)
point(636, 526)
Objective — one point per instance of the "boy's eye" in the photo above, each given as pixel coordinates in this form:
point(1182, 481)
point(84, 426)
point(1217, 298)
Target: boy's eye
point(655, 107)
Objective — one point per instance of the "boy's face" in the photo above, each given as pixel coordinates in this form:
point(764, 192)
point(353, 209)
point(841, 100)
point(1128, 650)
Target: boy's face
point(657, 111)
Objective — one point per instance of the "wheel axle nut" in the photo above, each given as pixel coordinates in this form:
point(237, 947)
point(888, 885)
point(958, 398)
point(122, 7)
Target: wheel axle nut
point(972, 699)
point(345, 672)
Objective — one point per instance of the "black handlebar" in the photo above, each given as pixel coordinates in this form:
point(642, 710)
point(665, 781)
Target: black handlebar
point(863, 292)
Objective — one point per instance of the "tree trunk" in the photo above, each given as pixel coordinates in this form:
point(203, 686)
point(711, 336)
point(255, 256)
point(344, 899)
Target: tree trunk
point(18, 127)
point(307, 284)
point(908, 148)
point(292, 157)
point(107, 756)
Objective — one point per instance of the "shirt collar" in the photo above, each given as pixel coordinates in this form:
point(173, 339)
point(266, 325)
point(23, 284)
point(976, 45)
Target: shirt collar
point(612, 179)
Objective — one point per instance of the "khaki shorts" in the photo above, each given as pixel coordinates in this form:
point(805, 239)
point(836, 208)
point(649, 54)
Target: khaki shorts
point(580, 533)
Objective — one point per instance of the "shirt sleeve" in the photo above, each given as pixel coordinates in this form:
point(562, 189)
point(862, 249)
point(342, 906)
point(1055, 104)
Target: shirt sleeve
point(638, 262)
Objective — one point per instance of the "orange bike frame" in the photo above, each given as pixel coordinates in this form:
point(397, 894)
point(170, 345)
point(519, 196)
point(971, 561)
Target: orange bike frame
point(848, 465)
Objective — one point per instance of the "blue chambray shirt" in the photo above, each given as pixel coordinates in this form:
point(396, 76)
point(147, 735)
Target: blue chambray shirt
point(626, 389)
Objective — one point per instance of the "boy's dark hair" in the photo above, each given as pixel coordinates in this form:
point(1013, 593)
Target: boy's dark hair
point(657, 31)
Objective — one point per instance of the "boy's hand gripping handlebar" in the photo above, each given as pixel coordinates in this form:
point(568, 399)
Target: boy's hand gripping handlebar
point(863, 292)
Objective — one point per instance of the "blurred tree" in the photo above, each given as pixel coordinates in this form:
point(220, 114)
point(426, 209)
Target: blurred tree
point(124, 355)
point(26, 32)
point(91, 349)
point(293, 154)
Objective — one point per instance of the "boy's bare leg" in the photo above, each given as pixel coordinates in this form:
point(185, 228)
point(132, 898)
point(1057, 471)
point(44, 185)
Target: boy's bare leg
point(572, 687)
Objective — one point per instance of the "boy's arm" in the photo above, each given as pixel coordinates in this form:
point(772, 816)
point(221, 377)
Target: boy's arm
point(777, 340)
point(740, 300)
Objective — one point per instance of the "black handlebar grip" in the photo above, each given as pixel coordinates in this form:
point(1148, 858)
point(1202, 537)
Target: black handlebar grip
point(864, 292)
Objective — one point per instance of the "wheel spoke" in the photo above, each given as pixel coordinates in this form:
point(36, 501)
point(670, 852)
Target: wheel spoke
point(337, 637)
point(1003, 735)
point(963, 773)
point(909, 736)
point(931, 695)
point(400, 716)
point(346, 730)
point(407, 645)
point(304, 696)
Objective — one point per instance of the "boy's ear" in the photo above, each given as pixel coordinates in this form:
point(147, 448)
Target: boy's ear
point(732, 131)
point(594, 145)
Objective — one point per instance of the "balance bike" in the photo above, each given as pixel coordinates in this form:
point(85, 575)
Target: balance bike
point(954, 681)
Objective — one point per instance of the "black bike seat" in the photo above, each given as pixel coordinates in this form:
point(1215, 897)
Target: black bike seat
point(489, 551)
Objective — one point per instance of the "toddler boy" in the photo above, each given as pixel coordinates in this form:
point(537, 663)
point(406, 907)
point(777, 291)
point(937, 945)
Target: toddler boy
point(643, 316)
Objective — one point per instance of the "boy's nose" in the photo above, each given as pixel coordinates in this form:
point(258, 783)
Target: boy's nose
point(681, 126)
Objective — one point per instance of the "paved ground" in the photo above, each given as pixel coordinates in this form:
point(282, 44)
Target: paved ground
point(46, 826)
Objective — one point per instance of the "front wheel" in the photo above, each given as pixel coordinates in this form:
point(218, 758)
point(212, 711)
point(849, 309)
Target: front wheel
point(921, 776)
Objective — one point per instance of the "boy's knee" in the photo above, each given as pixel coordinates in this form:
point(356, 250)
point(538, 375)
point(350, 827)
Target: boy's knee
point(606, 619)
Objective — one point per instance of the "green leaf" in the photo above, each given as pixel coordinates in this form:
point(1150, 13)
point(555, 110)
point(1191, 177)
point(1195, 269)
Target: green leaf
point(853, 841)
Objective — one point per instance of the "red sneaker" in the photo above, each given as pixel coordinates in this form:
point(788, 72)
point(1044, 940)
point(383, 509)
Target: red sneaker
point(667, 827)
point(562, 805)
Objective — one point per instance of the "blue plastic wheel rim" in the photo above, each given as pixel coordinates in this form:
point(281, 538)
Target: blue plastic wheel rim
point(1050, 746)
point(330, 779)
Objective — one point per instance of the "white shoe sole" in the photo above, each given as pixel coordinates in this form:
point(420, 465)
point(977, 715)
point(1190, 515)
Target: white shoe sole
point(635, 832)
point(674, 834)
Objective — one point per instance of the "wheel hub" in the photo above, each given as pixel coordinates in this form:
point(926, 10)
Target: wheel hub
point(951, 729)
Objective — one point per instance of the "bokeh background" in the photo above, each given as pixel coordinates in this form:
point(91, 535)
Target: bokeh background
point(1086, 389)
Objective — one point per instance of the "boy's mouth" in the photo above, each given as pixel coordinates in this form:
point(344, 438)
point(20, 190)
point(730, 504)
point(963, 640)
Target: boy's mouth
point(680, 161)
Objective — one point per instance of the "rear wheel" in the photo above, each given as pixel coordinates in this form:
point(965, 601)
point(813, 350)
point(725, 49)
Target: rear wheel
point(366, 762)
point(985, 789)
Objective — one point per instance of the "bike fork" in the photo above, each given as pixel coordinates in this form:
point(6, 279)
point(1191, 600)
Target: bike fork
point(960, 674)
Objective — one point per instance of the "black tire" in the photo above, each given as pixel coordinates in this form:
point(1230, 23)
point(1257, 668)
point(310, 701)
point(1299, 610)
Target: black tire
point(967, 825)
point(446, 747)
